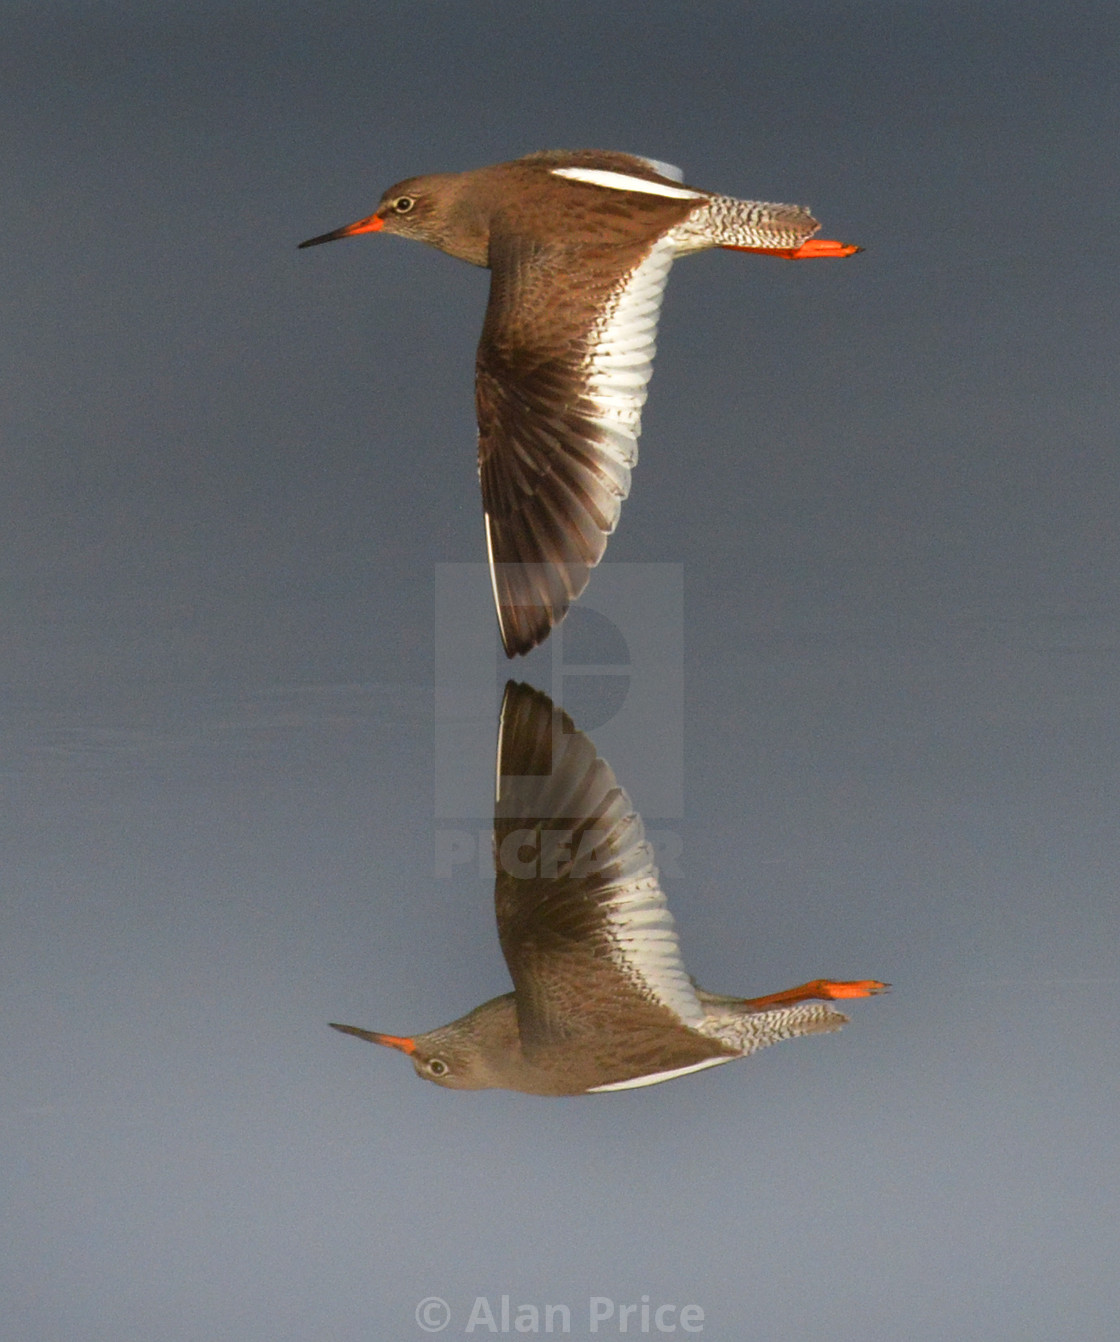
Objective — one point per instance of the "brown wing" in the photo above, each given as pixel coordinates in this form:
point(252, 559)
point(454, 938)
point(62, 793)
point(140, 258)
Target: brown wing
point(563, 364)
point(583, 924)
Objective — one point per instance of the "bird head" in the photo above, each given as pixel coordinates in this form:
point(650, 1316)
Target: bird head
point(431, 209)
point(471, 1053)
point(432, 1058)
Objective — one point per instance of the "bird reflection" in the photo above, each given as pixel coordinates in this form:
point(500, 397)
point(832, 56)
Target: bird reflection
point(601, 998)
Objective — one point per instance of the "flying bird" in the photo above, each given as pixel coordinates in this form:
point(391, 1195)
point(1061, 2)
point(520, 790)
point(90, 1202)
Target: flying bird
point(601, 998)
point(579, 246)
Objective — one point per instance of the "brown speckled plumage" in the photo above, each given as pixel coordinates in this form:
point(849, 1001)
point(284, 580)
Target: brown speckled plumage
point(579, 245)
point(601, 999)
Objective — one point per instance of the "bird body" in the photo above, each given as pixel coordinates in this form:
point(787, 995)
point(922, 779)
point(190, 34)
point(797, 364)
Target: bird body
point(601, 997)
point(483, 1050)
point(579, 245)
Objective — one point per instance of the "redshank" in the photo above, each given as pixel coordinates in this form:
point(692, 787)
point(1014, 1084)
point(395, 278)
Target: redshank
point(579, 246)
point(601, 999)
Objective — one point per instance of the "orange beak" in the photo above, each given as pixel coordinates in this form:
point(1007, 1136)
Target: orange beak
point(374, 224)
point(389, 1040)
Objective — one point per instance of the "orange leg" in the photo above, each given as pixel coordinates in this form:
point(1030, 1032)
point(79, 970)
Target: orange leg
point(824, 990)
point(815, 247)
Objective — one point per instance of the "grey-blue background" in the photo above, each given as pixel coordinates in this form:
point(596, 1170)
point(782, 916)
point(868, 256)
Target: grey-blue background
point(228, 471)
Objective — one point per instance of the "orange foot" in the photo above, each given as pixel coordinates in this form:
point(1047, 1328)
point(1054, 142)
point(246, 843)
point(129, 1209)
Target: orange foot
point(825, 990)
point(807, 251)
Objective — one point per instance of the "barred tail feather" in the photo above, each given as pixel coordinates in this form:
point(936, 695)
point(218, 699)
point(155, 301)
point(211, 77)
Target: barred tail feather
point(723, 221)
point(752, 1030)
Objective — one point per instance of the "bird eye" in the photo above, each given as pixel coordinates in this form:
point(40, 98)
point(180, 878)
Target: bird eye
point(437, 1067)
point(403, 204)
